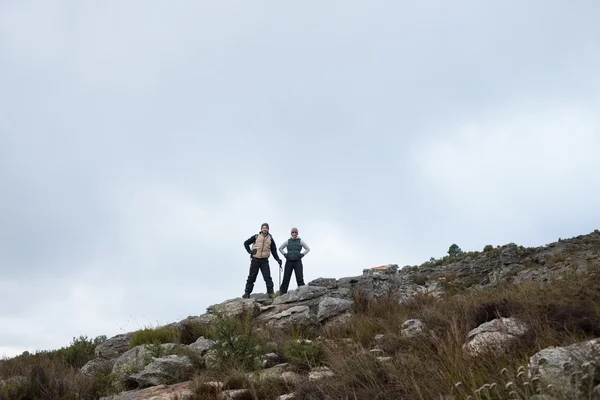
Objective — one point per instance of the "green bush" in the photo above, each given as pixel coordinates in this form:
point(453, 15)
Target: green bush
point(155, 336)
point(488, 247)
point(81, 351)
point(236, 341)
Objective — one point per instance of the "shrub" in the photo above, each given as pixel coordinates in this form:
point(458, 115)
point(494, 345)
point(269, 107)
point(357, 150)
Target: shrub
point(419, 279)
point(305, 354)
point(236, 341)
point(488, 247)
point(81, 351)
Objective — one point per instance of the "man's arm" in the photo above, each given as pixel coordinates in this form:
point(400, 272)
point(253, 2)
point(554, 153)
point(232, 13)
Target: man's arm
point(282, 247)
point(248, 242)
point(274, 250)
point(306, 248)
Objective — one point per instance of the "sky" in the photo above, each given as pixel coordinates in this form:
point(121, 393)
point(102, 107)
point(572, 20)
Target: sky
point(142, 142)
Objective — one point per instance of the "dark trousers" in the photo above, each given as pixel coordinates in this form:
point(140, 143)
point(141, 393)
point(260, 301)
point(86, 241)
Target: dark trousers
point(292, 266)
point(261, 264)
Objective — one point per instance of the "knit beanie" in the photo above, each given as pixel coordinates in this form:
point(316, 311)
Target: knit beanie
point(264, 224)
point(294, 230)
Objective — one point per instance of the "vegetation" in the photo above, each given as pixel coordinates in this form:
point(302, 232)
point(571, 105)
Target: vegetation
point(368, 356)
point(155, 336)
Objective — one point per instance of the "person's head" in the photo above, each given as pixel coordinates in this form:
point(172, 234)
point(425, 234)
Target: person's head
point(294, 232)
point(264, 228)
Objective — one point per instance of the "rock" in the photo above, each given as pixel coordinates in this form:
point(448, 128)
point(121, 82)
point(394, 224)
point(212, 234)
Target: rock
point(494, 335)
point(235, 307)
point(384, 360)
point(113, 347)
point(413, 328)
point(406, 291)
point(164, 370)
point(201, 346)
point(136, 359)
point(341, 293)
point(329, 283)
point(97, 365)
point(510, 326)
point(179, 391)
point(319, 373)
point(274, 372)
point(295, 316)
point(556, 364)
point(330, 307)
point(305, 292)
point(348, 282)
point(532, 275)
point(269, 360)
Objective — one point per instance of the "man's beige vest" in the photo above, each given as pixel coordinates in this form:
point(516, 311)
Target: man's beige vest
point(262, 245)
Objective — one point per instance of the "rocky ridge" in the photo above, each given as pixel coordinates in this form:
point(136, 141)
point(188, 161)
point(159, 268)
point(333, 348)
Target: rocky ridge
point(162, 372)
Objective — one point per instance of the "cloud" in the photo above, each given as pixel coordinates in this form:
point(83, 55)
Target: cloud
point(141, 144)
point(522, 166)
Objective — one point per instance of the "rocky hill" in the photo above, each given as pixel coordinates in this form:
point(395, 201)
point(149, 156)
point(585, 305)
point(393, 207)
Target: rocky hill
point(473, 307)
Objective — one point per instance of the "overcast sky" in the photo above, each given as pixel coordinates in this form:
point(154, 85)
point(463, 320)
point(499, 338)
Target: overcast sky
point(141, 142)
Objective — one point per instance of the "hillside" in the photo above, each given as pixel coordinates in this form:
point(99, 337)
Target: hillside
point(506, 322)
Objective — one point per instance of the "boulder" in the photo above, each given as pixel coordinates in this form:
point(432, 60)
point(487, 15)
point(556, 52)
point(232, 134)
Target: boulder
point(164, 370)
point(330, 307)
point(494, 335)
point(114, 347)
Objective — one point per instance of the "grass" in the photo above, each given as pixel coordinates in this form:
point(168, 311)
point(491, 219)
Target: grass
point(558, 313)
point(155, 336)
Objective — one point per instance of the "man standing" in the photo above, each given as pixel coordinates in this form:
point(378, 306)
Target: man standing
point(293, 261)
point(263, 245)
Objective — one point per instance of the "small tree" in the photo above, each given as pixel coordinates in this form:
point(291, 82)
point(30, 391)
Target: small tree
point(454, 250)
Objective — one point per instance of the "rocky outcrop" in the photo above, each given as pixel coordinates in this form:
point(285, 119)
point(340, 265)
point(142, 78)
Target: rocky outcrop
point(328, 301)
point(134, 360)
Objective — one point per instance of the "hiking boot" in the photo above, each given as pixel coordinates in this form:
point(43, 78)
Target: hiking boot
point(246, 296)
point(271, 295)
